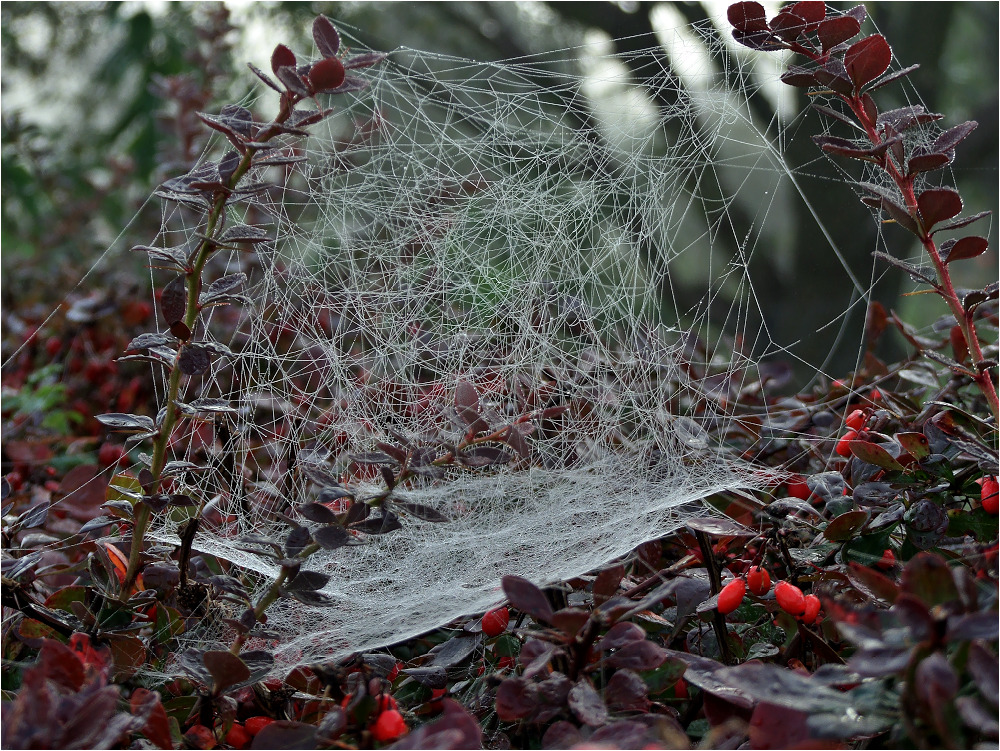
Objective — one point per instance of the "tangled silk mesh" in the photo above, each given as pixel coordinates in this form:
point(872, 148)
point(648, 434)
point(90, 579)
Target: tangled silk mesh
point(466, 222)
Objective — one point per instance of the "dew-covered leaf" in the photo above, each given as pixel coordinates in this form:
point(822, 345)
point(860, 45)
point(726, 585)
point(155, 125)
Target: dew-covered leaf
point(867, 59)
point(586, 704)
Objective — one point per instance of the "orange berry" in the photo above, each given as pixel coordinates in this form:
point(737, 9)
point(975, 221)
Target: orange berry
point(731, 596)
point(495, 621)
point(759, 581)
point(812, 605)
point(790, 598)
point(389, 726)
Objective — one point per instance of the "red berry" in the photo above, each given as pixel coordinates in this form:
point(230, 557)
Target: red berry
point(505, 662)
point(990, 495)
point(495, 621)
point(759, 581)
point(855, 420)
point(386, 702)
point(811, 609)
point(797, 488)
point(199, 736)
point(53, 345)
point(790, 598)
point(326, 74)
point(238, 736)
point(681, 689)
point(254, 725)
point(389, 726)
point(731, 596)
point(887, 561)
point(875, 395)
point(110, 455)
point(394, 673)
point(843, 449)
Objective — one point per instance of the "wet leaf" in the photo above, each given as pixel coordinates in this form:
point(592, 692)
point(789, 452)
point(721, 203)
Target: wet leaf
point(638, 655)
point(194, 360)
point(421, 511)
point(833, 31)
point(225, 668)
point(937, 205)
point(516, 699)
point(326, 37)
point(528, 598)
point(317, 512)
point(586, 704)
point(872, 453)
point(718, 527)
point(872, 583)
point(845, 526)
point(307, 580)
point(622, 633)
point(626, 692)
point(867, 59)
point(927, 577)
point(455, 650)
point(173, 300)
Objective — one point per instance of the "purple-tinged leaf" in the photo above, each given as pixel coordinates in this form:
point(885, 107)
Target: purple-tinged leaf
point(607, 582)
point(264, 77)
point(813, 11)
point(888, 202)
point(954, 136)
point(317, 512)
point(972, 626)
point(833, 31)
point(292, 80)
point(966, 247)
point(878, 661)
point(350, 84)
point(830, 112)
point(984, 669)
point(126, 423)
point(379, 525)
point(747, 17)
point(586, 704)
point(859, 13)
point(963, 222)
point(895, 75)
point(758, 40)
point(332, 536)
point(936, 682)
point(373, 457)
point(282, 57)
point(226, 284)
point(718, 527)
point(850, 149)
point(326, 36)
point(917, 273)
point(454, 729)
point(467, 402)
point(622, 633)
point(977, 297)
point(918, 163)
point(364, 60)
point(906, 117)
point(868, 59)
point(307, 581)
point(570, 620)
point(194, 360)
point(244, 233)
point(627, 692)
point(528, 598)
point(788, 26)
point(455, 650)
point(638, 655)
point(516, 699)
point(216, 124)
point(419, 510)
point(976, 717)
point(799, 76)
point(844, 526)
point(484, 456)
point(562, 734)
point(938, 205)
point(173, 300)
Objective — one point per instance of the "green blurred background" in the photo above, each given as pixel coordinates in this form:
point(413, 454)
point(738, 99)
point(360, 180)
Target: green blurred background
point(98, 103)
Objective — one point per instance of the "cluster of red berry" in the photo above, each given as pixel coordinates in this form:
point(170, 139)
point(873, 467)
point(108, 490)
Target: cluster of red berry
point(789, 597)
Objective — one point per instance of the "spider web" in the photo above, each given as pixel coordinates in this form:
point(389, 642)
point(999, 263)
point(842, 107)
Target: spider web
point(536, 228)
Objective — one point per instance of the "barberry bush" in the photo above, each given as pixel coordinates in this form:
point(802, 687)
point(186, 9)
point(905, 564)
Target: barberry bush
point(853, 602)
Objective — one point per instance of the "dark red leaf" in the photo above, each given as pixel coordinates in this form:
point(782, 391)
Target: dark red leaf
point(833, 75)
point(798, 76)
point(889, 203)
point(890, 77)
point(813, 11)
point(586, 704)
point(326, 37)
point(928, 162)
point(194, 360)
point(327, 74)
point(455, 729)
point(173, 300)
point(570, 620)
point(332, 536)
point(954, 136)
point(871, 583)
point(984, 669)
point(906, 117)
point(528, 598)
point(467, 402)
point(833, 31)
point(868, 59)
point(938, 205)
point(967, 247)
point(627, 692)
point(747, 17)
point(638, 655)
point(622, 633)
point(292, 80)
point(364, 60)
point(264, 77)
point(562, 734)
point(282, 57)
point(516, 699)
point(758, 40)
point(963, 222)
point(606, 584)
point(936, 681)
point(872, 453)
point(774, 726)
point(844, 526)
point(421, 511)
point(146, 705)
point(972, 626)
point(788, 26)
